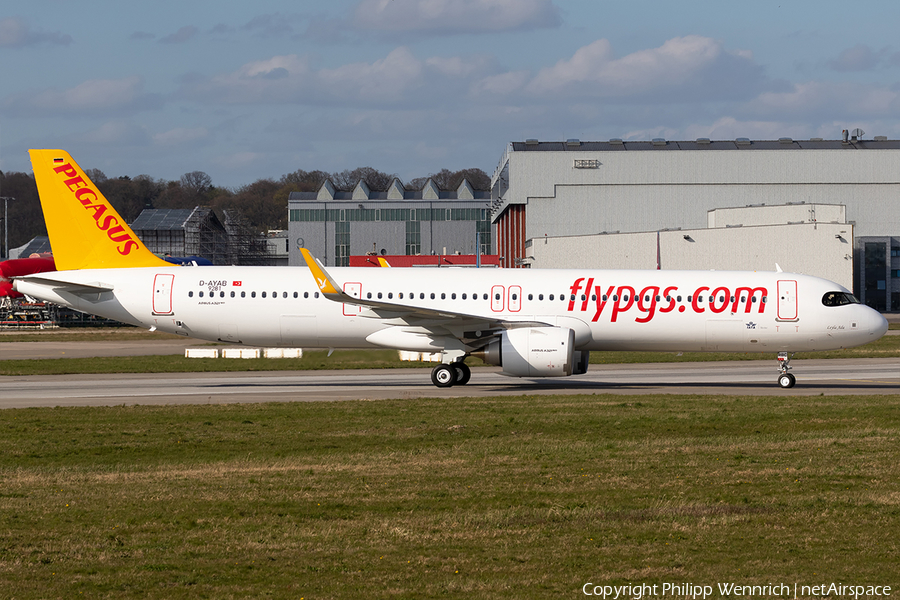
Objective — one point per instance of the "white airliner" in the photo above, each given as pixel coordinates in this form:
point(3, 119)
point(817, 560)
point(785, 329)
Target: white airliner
point(532, 323)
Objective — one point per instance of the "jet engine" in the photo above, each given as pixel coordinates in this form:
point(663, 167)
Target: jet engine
point(536, 352)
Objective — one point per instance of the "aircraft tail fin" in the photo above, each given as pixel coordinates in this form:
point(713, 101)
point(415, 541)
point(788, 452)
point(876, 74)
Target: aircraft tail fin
point(85, 231)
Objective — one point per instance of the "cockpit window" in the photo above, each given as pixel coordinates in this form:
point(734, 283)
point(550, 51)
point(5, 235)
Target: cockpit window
point(838, 299)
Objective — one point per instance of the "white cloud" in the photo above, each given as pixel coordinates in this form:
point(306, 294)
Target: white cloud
point(90, 97)
point(16, 33)
point(858, 58)
point(826, 100)
point(448, 17)
point(690, 67)
point(397, 80)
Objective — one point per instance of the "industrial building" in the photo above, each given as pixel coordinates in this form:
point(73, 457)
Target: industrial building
point(335, 224)
point(822, 207)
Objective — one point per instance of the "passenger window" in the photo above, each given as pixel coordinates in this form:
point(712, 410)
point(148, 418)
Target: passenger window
point(306, 294)
point(369, 295)
point(530, 297)
point(453, 296)
point(443, 296)
point(485, 296)
point(515, 296)
point(200, 294)
point(232, 294)
point(421, 295)
point(284, 295)
point(243, 294)
point(316, 295)
point(263, 294)
point(432, 295)
point(540, 296)
point(379, 295)
point(463, 296)
point(190, 294)
point(221, 294)
point(296, 295)
point(550, 296)
point(390, 295)
point(253, 294)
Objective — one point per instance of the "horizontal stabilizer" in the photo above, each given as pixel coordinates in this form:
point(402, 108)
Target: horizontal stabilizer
point(59, 283)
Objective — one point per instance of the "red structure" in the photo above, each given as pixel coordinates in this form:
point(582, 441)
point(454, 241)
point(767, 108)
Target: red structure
point(511, 236)
point(22, 266)
point(427, 260)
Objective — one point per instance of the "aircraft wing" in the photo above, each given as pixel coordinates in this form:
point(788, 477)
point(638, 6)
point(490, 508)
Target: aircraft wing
point(396, 313)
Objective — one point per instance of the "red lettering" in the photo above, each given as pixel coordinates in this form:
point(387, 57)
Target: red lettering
point(652, 292)
point(75, 182)
point(697, 308)
point(575, 287)
point(86, 192)
point(668, 294)
point(587, 293)
point(617, 306)
point(725, 300)
point(749, 298)
point(601, 300)
point(107, 221)
point(98, 209)
point(118, 234)
point(66, 169)
point(129, 246)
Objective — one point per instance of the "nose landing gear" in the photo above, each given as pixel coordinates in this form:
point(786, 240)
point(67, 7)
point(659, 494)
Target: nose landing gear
point(785, 379)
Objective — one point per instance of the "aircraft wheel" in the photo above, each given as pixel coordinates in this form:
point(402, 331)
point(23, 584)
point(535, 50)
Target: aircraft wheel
point(443, 376)
point(786, 380)
point(463, 373)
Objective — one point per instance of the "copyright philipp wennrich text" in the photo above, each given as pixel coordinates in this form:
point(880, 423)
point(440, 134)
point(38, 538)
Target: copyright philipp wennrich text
point(691, 590)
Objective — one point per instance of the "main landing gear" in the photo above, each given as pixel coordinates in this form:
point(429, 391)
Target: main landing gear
point(457, 373)
point(785, 379)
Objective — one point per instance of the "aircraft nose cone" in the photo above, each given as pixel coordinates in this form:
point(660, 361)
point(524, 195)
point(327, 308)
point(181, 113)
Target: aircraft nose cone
point(879, 325)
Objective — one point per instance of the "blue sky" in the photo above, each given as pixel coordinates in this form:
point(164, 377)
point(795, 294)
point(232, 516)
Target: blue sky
point(409, 87)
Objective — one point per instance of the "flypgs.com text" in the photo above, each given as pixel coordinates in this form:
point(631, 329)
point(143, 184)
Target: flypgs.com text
point(587, 296)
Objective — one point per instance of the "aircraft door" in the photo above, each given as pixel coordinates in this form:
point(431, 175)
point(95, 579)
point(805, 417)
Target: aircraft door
point(354, 290)
point(787, 300)
point(162, 293)
point(498, 294)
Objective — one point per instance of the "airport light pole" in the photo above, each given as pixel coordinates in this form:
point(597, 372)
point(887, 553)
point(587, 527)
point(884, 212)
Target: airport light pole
point(6, 200)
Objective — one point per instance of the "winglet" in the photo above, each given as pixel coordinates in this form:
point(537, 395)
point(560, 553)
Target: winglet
point(85, 231)
point(324, 281)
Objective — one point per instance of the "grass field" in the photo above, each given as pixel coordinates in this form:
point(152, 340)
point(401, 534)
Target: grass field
point(524, 497)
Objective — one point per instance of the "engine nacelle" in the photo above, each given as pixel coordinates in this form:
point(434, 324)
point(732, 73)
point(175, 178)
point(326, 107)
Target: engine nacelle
point(533, 352)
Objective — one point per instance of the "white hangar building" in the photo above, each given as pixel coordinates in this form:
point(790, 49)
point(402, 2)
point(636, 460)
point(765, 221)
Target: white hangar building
point(829, 208)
